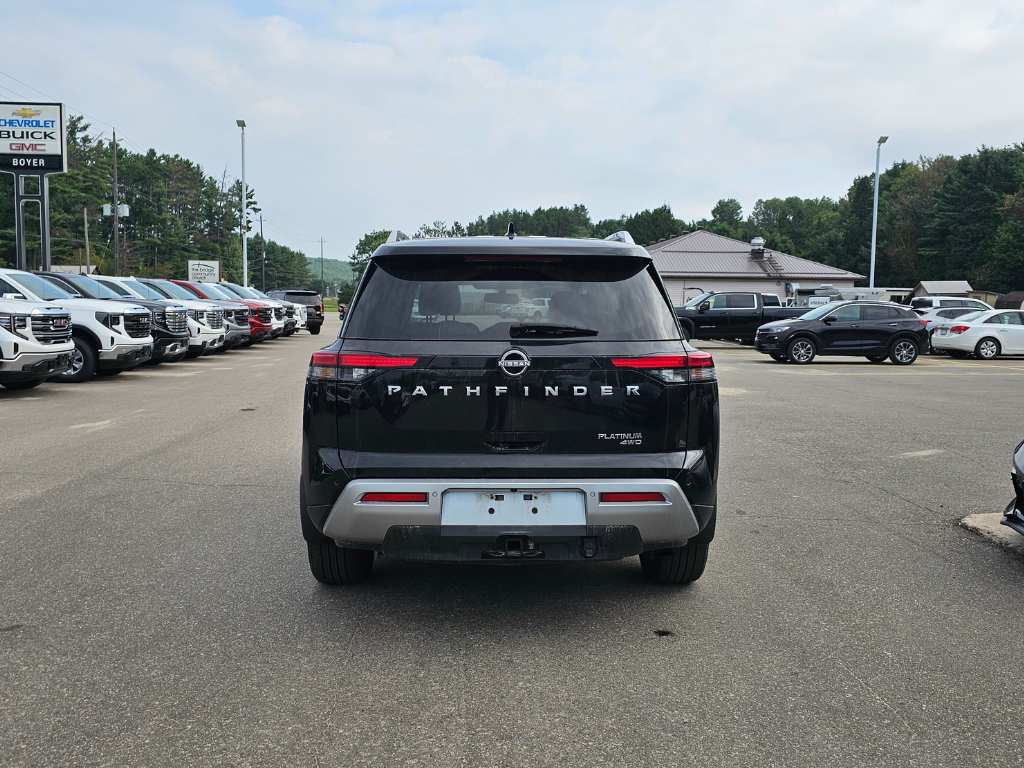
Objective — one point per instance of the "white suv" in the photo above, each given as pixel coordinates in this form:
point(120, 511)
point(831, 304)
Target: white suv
point(923, 303)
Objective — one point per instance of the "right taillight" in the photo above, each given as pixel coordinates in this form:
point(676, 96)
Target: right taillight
point(631, 497)
point(959, 328)
point(693, 366)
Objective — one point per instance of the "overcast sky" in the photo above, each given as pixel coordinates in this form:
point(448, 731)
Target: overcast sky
point(377, 115)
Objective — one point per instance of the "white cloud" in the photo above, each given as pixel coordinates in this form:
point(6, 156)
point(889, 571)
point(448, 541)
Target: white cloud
point(371, 115)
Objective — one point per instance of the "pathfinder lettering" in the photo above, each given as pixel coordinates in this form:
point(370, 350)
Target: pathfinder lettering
point(577, 391)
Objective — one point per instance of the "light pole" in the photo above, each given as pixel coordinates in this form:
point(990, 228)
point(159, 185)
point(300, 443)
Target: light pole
point(241, 225)
point(874, 215)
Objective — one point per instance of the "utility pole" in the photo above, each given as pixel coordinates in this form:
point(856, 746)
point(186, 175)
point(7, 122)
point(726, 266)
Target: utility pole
point(117, 249)
point(321, 267)
point(85, 220)
point(245, 194)
point(263, 256)
point(874, 215)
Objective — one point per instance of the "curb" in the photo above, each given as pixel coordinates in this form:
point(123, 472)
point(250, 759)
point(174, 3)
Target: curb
point(988, 527)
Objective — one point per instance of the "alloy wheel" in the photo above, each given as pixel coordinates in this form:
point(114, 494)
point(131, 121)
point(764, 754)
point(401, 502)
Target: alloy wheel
point(801, 351)
point(77, 362)
point(905, 352)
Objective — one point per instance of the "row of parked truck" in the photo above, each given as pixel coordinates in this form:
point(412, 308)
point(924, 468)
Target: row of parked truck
point(71, 327)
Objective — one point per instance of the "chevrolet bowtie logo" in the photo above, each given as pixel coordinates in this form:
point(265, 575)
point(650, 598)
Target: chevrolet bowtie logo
point(25, 112)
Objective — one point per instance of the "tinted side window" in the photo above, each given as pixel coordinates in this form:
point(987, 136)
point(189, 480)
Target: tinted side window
point(846, 314)
point(741, 301)
point(875, 313)
point(6, 287)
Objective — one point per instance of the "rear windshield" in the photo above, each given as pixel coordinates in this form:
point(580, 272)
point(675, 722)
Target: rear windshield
point(452, 299)
point(309, 299)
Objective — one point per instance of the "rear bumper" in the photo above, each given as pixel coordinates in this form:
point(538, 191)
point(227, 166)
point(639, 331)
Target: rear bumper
point(34, 365)
point(954, 341)
point(399, 526)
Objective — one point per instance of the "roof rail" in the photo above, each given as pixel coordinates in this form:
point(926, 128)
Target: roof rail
point(397, 235)
point(621, 237)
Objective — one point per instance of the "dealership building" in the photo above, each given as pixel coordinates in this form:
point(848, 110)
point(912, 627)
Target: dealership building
point(701, 261)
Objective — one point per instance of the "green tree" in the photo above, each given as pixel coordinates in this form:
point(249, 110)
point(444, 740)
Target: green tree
point(367, 244)
point(728, 212)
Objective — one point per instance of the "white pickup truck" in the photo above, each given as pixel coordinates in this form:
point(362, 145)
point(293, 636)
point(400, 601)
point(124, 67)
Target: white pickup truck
point(35, 342)
point(109, 336)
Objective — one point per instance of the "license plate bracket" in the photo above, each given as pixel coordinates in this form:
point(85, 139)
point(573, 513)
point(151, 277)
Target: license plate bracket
point(513, 508)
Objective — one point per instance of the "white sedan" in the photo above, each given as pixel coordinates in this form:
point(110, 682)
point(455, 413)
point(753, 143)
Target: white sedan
point(985, 334)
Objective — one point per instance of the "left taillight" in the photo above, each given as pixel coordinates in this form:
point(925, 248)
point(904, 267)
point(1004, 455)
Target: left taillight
point(959, 328)
point(346, 366)
point(694, 366)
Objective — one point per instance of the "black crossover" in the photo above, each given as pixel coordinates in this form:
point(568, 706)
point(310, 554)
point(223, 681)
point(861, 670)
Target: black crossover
point(441, 427)
point(870, 329)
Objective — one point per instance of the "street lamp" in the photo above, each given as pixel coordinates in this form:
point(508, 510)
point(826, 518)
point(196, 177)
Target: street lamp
point(241, 225)
point(874, 215)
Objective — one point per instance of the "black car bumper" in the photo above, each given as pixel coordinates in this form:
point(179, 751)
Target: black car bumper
point(168, 346)
point(769, 344)
point(127, 359)
point(529, 544)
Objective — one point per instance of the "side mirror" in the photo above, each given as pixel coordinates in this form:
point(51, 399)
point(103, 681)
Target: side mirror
point(704, 307)
point(14, 296)
point(828, 319)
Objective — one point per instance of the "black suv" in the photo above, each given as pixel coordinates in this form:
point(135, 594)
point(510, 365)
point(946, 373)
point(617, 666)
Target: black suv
point(873, 329)
point(435, 429)
point(310, 300)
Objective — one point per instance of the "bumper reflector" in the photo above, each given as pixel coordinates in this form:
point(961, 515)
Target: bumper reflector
point(408, 498)
point(627, 497)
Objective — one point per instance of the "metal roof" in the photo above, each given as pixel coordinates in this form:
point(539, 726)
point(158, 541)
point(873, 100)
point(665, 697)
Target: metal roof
point(945, 287)
point(705, 254)
point(517, 246)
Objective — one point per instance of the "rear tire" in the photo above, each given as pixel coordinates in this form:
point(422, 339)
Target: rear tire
point(956, 354)
point(987, 349)
point(315, 330)
point(24, 384)
point(778, 357)
point(903, 352)
point(84, 362)
point(333, 565)
point(877, 358)
point(801, 351)
point(681, 565)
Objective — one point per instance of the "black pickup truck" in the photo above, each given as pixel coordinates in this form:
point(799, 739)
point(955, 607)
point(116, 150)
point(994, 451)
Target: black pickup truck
point(730, 316)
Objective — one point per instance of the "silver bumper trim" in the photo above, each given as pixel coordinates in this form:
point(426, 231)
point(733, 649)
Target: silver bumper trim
point(122, 349)
point(354, 521)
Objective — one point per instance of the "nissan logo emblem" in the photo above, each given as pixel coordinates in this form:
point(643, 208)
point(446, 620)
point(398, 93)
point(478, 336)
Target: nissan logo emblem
point(514, 363)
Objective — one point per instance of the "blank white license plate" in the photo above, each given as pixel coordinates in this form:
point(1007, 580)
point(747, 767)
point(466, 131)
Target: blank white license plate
point(513, 508)
point(942, 332)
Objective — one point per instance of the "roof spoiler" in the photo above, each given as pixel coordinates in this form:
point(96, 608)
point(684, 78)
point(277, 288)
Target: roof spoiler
point(621, 237)
point(397, 235)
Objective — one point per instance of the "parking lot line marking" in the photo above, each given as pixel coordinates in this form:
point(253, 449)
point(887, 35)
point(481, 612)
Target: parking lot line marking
point(92, 424)
point(926, 452)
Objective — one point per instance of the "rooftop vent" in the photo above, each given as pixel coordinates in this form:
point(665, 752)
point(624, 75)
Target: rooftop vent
point(757, 248)
point(622, 237)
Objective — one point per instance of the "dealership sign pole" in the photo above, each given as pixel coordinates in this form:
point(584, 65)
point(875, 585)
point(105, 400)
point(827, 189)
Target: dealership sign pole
point(33, 144)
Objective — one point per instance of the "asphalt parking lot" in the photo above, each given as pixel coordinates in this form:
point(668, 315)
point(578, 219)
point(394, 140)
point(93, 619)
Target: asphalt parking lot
point(156, 607)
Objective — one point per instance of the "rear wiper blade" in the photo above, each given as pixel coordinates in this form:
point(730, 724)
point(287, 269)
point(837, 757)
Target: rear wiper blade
point(525, 330)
